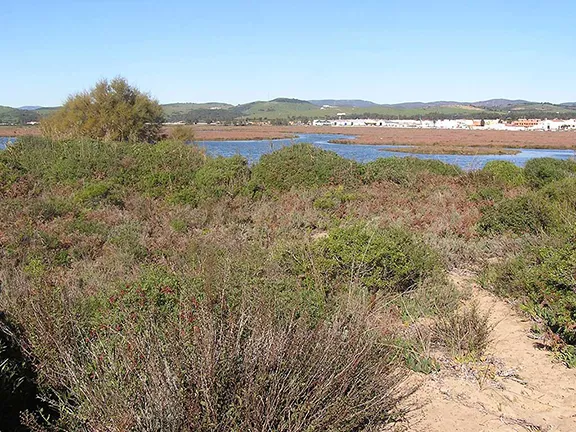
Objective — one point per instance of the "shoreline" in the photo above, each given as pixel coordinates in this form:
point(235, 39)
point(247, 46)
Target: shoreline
point(463, 140)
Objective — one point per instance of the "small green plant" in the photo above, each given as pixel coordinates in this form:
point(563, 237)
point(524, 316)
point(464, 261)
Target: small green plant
point(35, 268)
point(333, 199)
point(179, 225)
point(50, 209)
point(505, 172)
point(415, 358)
point(465, 333)
point(127, 238)
point(95, 193)
point(487, 194)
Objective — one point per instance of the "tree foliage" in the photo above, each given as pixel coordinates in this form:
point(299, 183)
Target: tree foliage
point(111, 111)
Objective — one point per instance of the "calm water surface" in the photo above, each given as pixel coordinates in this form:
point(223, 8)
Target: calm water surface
point(252, 150)
point(6, 140)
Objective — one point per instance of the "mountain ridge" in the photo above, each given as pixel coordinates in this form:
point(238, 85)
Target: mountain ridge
point(284, 109)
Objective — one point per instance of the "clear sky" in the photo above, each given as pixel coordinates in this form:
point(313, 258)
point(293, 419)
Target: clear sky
point(240, 51)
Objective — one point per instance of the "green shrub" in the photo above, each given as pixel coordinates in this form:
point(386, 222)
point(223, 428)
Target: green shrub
point(97, 192)
point(303, 166)
point(8, 175)
point(333, 199)
point(414, 356)
point(389, 259)
point(156, 293)
point(525, 214)
point(487, 194)
point(48, 209)
point(158, 170)
point(544, 280)
point(127, 238)
point(60, 162)
point(562, 191)
point(540, 172)
point(403, 170)
point(505, 172)
point(110, 111)
point(222, 176)
point(181, 133)
point(165, 168)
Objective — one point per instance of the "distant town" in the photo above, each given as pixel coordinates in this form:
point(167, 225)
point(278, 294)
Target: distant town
point(496, 124)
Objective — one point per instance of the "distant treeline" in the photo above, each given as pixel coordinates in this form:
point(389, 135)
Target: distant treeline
point(236, 115)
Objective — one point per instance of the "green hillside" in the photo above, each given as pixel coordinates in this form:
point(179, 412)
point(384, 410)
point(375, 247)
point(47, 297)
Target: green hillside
point(14, 116)
point(44, 111)
point(285, 109)
point(184, 108)
point(544, 107)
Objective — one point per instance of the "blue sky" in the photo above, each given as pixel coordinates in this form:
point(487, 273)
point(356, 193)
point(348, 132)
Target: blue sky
point(240, 51)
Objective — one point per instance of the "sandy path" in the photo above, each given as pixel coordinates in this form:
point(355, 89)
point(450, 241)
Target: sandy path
point(523, 389)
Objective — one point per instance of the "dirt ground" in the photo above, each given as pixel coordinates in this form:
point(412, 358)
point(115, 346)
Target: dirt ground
point(518, 388)
point(377, 135)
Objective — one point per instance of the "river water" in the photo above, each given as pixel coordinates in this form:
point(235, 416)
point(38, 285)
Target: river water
point(252, 150)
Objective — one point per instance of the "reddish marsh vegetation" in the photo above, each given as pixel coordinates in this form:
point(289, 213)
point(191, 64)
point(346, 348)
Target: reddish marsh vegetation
point(152, 287)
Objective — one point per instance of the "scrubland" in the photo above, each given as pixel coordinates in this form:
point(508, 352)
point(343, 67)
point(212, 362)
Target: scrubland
point(153, 287)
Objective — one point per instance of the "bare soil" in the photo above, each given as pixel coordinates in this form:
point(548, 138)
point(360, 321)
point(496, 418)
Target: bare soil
point(16, 131)
point(519, 387)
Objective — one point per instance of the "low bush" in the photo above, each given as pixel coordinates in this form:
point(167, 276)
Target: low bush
point(303, 166)
point(222, 176)
point(465, 333)
point(181, 133)
point(505, 172)
point(404, 170)
point(525, 214)
point(8, 175)
point(166, 168)
point(543, 278)
point(333, 198)
point(389, 259)
point(562, 191)
point(487, 194)
point(158, 170)
point(65, 162)
point(161, 354)
point(540, 172)
point(98, 192)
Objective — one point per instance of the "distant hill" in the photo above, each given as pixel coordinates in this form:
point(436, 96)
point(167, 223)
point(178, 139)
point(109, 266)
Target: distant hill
point(356, 103)
point(15, 116)
point(281, 110)
point(413, 105)
point(499, 103)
